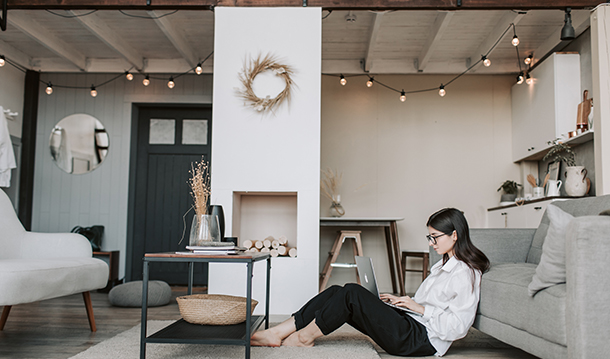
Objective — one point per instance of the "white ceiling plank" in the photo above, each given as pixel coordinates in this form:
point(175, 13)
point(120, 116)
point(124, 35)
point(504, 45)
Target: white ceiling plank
point(439, 27)
point(15, 55)
point(368, 60)
point(176, 38)
point(110, 37)
point(117, 65)
point(511, 17)
point(580, 22)
point(28, 26)
point(402, 66)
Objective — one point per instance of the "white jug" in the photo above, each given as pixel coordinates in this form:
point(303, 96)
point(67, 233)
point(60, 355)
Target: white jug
point(576, 185)
point(552, 188)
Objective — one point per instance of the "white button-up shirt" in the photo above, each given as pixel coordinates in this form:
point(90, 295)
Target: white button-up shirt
point(450, 302)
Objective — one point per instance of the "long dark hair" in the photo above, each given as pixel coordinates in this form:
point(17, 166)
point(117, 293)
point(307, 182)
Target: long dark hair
point(448, 220)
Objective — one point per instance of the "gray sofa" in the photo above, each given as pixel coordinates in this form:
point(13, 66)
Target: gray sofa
point(569, 320)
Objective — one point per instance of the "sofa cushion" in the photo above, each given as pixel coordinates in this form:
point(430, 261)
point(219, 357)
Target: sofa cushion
point(552, 267)
point(130, 294)
point(504, 297)
point(589, 206)
point(31, 280)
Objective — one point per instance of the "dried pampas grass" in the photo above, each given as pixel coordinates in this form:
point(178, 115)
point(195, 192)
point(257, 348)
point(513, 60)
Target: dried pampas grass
point(200, 186)
point(255, 67)
point(330, 184)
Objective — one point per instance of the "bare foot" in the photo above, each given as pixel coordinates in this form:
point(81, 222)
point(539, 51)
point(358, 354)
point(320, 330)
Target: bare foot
point(265, 338)
point(295, 340)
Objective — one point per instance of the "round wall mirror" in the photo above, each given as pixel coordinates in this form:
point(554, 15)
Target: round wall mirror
point(78, 143)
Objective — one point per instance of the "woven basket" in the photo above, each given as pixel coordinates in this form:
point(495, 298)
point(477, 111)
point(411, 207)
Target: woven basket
point(213, 309)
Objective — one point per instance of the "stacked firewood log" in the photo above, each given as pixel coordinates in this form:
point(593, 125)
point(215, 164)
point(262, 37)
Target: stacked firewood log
point(276, 247)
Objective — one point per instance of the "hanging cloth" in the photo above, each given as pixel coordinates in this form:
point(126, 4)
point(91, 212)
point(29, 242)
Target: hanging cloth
point(7, 157)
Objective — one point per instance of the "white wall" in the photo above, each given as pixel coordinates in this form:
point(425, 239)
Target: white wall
point(410, 159)
point(62, 200)
point(277, 152)
point(12, 85)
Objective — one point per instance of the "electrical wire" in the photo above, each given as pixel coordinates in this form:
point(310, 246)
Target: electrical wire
point(148, 17)
point(327, 15)
point(70, 16)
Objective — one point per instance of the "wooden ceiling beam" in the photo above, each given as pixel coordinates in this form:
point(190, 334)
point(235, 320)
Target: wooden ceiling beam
point(176, 37)
point(43, 36)
point(368, 60)
point(15, 55)
point(110, 37)
point(438, 28)
point(510, 17)
point(325, 4)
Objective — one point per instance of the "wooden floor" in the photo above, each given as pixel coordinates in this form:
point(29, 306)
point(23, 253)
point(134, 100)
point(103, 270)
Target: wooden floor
point(58, 328)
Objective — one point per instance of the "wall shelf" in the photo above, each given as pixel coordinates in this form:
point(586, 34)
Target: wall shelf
point(574, 141)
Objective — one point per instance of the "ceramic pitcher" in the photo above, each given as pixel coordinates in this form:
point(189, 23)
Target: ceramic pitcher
point(552, 188)
point(576, 185)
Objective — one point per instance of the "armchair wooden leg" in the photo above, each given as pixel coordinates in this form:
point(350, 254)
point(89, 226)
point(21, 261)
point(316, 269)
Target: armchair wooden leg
point(89, 307)
point(5, 311)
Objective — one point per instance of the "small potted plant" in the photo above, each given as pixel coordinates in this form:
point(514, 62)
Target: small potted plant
point(576, 183)
point(510, 188)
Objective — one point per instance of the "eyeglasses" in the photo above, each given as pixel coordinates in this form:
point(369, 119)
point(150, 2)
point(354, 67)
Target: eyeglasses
point(432, 238)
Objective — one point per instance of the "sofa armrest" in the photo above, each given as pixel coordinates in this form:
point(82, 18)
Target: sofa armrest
point(500, 245)
point(587, 282)
point(36, 245)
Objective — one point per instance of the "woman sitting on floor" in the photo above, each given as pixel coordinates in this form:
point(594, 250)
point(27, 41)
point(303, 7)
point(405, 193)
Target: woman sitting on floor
point(447, 301)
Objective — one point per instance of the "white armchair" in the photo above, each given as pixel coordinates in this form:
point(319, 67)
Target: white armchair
point(38, 266)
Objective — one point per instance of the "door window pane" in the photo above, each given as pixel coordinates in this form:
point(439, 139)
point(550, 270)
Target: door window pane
point(162, 132)
point(195, 132)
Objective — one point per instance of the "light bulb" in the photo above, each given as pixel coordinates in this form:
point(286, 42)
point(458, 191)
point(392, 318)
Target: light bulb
point(49, 89)
point(343, 81)
point(442, 91)
point(2, 60)
point(146, 81)
point(486, 61)
point(515, 41)
point(93, 91)
point(198, 69)
point(520, 78)
point(528, 60)
point(171, 83)
point(128, 75)
point(403, 96)
point(369, 83)
point(528, 79)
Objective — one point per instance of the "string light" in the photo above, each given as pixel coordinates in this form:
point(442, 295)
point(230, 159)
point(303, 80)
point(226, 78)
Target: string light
point(128, 75)
point(528, 79)
point(199, 69)
point(49, 89)
point(343, 81)
point(403, 96)
point(520, 78)
point(146, 81)
point(528, 60)
point(486, 61)
point(2, 60)
point(515, 41)
point(171, 83)
point(442, 91)
point(93, 91)
point(369, 83)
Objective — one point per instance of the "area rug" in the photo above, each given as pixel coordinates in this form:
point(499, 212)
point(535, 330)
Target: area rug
point(343, 343)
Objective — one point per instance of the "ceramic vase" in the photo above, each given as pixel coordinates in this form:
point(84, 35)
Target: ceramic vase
point(205, 228)
point(216, 210)
point(576, 184)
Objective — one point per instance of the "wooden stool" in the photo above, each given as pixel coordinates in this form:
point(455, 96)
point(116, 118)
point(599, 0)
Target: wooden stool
point(426, 262)
point(334, 253)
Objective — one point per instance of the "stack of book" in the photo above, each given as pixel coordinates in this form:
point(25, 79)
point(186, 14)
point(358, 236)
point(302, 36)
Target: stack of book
point(214, 248)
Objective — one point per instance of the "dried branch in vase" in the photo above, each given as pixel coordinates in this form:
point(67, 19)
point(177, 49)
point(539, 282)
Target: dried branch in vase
point(200, 186)
point(330, 185)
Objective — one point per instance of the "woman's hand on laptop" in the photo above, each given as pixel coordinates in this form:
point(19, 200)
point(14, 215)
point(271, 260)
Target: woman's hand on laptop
point(405, 301)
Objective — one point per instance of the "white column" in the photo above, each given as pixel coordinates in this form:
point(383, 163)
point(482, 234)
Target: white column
point(270, 152)
point(600, 59)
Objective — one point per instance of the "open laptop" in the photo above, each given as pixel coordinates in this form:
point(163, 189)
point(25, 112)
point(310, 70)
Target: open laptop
point(368, 280)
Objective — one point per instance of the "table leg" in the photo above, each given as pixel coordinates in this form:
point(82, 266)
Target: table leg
point(389, 246)
point(144, 310)
point(191, 276)
point(396, 249)
point(248, 309)
point(267, 294)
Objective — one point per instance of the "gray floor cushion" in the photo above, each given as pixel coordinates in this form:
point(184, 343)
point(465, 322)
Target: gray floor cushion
point(130, 294)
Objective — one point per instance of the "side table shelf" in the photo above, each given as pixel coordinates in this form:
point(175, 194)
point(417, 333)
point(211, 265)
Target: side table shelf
point(184, 332)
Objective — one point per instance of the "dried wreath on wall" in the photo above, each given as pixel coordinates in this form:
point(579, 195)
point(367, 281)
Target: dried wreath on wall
point(257, 66)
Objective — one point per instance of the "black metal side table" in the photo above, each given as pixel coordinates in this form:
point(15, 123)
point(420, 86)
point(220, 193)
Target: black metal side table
point(187, 333)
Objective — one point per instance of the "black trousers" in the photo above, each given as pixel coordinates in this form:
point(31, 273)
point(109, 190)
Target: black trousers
point(394, 330)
